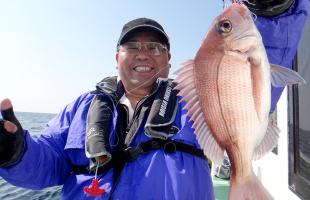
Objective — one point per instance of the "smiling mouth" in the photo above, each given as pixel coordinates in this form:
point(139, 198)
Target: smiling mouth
point(143, 69)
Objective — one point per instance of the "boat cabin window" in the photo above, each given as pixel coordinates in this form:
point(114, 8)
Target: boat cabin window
point(299, 122)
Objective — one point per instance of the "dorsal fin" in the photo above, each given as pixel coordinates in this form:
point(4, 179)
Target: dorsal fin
point(185, 82)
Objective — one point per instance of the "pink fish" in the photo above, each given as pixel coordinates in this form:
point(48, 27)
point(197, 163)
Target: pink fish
point(227, 90)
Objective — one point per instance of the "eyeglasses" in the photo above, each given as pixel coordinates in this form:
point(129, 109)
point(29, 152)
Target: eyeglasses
point(151, 48)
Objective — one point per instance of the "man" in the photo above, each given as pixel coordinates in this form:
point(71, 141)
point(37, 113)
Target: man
point(137, 108)
point(148, 152)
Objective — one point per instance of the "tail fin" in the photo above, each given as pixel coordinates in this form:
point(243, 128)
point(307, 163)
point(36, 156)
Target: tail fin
point(250, 189)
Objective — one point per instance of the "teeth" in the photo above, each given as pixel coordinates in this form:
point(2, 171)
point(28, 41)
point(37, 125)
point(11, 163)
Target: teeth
point(143, 69)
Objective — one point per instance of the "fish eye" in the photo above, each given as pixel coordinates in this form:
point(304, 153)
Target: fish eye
point(224, 26)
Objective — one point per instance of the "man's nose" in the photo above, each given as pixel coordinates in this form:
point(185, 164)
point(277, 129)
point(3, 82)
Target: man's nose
point(142, 54)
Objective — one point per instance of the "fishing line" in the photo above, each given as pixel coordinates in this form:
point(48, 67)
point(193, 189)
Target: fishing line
point(148, 80)
point(226, 4)
point(97, 168)
point(129, 91)
point(254, 16)
point(117, 103)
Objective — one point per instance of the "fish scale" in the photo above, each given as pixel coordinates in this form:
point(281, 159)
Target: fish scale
point(236, 99)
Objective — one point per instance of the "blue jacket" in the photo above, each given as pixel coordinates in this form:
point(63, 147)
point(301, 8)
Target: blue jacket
point(48, 159)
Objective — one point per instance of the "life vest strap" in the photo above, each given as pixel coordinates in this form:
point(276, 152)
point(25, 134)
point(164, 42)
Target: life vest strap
point(132, 153)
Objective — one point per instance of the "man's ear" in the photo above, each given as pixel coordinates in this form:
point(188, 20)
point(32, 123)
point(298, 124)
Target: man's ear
point(116, 56)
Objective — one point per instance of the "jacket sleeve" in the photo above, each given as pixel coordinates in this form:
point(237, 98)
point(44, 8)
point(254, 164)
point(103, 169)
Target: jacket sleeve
point(281, 35)
point(45, 162)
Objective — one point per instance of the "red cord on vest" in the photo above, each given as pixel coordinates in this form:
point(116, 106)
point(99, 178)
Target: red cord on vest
point(94, 189)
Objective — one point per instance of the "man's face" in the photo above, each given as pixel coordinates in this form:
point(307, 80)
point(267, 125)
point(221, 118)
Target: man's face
point(139, 71)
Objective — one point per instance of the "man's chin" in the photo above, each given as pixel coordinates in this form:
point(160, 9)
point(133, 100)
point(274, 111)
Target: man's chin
point(144, 83)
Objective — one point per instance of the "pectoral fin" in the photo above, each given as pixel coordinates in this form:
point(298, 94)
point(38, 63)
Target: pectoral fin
point(282, 76)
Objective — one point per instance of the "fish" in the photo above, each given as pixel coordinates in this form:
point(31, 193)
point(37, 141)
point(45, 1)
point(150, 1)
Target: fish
point(226, 90)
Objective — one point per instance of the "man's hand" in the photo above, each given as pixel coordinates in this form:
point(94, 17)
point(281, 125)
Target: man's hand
point(11, 135)
point(268, 8)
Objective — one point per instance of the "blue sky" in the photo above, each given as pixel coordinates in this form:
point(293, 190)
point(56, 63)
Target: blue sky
point(51, 51)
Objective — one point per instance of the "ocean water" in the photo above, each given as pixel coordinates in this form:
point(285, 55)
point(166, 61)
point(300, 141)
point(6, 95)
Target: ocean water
point(34, 123)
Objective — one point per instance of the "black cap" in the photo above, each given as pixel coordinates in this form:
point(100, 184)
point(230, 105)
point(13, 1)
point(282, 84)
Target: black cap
point(142, 24)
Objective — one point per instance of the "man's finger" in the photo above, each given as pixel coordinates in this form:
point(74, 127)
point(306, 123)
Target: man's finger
point(8, 126)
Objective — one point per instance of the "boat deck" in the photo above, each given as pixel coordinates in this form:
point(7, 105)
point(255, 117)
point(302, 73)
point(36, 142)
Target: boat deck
point(221, 188)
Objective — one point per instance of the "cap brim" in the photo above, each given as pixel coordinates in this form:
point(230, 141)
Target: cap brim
point(144, 27)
